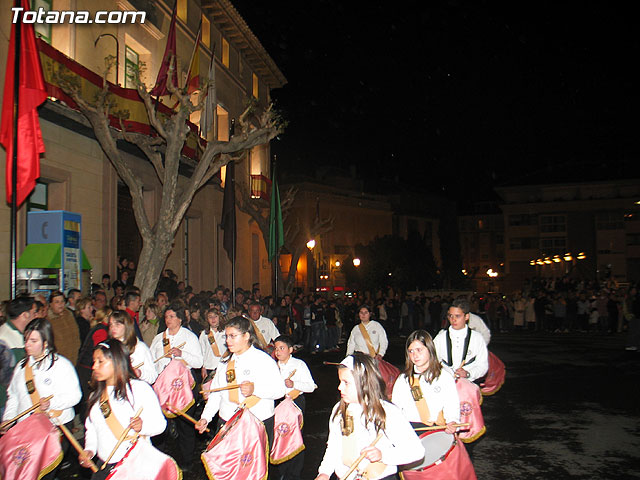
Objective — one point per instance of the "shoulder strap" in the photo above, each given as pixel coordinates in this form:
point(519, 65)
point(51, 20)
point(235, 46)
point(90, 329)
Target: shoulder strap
point(213, 344)
point(33, 391)
point(449, 361)
point(261, 339)
point(231, 380)
point(166, 345)
point(109, 417)
point(367, 339)
point(466, 348)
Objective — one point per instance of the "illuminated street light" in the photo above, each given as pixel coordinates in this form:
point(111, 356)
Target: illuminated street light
point(311, 244)
point(556, 258)
point(356, 262)
point(532, 263)
point(581, 256)
point(338, 263)
point(567, 257)
point(547, 261)
point(491, 273)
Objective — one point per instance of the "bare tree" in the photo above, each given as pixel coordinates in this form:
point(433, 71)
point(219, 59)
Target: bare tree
point(295, 234)
point(164, 153)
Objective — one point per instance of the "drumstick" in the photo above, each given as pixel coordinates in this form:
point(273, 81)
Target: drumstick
point(440, 427)
point(188, 417)
point(355, 464)
point(22, 414)
point(121, 439)
point(76, 445)
point(293, 372)
point(169, 353)
point(135, 367)
point(331, 363)
point(220, 389)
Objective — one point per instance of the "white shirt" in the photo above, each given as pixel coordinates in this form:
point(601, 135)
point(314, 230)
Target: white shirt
point(477, 348)
point(440, 395)
point(253, 366)
point(98, 437)
point(60, 380)
point(476, 323)
point(267, 328)
point(191, 351)
point(142, 353)
point(302, 379)
point(11, 335)
point(399, 445)
point(377, 335)
point(210, 360)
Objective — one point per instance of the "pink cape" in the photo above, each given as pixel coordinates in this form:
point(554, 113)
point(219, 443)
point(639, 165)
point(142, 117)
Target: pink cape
point(30, 450)
point(495, 376)
point(389, 374)
point(173, 388)
point(239, 454)
point(457, 466)
point(145, 462)
point(287, 437)
point(470, 412)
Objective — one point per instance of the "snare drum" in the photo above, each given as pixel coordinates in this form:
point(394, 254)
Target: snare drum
point(437, 447)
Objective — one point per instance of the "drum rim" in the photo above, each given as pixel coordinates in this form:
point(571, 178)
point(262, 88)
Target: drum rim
point(443, 457)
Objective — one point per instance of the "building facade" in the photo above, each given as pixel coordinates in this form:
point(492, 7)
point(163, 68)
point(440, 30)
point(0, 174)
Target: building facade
point(76, 175)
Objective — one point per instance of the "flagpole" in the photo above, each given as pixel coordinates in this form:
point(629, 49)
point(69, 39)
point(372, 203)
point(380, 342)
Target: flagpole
point(274, 266)
point(14, 160)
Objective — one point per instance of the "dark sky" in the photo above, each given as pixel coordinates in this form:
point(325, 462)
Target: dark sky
point(453, 95)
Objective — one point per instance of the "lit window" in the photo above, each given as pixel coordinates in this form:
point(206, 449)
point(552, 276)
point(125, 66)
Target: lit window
point(255, 85)
point(131, 63)
point(43, 30)
point(225, 53)
point(206, 32)
point(223, 124)
point(182, 10)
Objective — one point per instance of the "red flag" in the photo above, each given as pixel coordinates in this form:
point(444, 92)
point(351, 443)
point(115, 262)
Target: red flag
point(169, 51)
point(31, 93)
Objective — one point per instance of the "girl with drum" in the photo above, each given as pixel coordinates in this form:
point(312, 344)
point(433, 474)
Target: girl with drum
point(43, 372)
point(121, 328)
point(255, 374)
point(117, 395)
point(368, 436)
point(428, 396)
point(212, 342)
point(179, 342)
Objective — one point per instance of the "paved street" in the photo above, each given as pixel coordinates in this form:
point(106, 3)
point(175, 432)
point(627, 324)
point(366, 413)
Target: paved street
point(569, 409)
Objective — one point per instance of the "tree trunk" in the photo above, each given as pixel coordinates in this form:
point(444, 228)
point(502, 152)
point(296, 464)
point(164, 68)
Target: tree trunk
point(154, 254)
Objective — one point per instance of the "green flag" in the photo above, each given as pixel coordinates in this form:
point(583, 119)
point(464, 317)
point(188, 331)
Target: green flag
point(276, 234)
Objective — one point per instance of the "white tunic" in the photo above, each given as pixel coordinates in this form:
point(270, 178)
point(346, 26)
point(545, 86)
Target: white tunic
point(399, 445)
point(476, 323)
point(142, 353)
point(441, 394)
point(191, 351)
point(253, 366)
point(477, 348)
point(377, 335)
point(210, 360)
point(267, 328)
point(60, 380)
point(302, 379)
point(98, 437)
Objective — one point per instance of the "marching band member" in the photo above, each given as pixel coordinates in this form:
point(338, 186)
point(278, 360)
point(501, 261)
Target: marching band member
point(360, 418)
point(116, 396)
point(42, 373)
point(212, 342)
point(266, 330)
point(256, 374)
point(461, 350)
point(164, 347)
point(298, 381)
point(368, 336)
point(427, 395)
point(121, 328)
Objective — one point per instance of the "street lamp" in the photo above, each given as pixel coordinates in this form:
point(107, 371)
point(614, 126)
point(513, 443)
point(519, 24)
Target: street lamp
point(117, 50)
point(311, 244)
point(356, 262)
point(337, 263)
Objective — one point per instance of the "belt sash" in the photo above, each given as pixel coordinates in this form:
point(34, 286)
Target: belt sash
point(421, 403)
point(213, 344)
point(350, 452)
point(109, 417)
point(372, 350)
point(234, 397)
point(33, 391)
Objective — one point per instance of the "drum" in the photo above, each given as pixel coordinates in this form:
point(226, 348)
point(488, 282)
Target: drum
point(173, 388)
point(437, 447)
point(389, 374)
point(239, 449)
point(145, 462)
point(495, 376)
point(287, 437)
point(470, 411)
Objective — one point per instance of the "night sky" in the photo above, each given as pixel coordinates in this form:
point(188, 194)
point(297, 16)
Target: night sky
point(455, 96)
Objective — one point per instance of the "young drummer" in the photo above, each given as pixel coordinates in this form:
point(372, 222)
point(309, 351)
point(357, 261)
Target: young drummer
point(212, 342)
point(298, 381)
point(361, 416)
point(116, 396)
point(121, 328)
point(255, 373)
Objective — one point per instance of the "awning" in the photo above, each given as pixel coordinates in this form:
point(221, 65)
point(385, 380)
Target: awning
point(46, 255)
